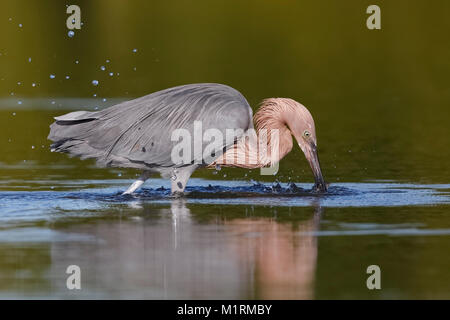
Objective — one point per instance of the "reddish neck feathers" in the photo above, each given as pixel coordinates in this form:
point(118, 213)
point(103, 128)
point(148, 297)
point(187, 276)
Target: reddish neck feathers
point(273, 114)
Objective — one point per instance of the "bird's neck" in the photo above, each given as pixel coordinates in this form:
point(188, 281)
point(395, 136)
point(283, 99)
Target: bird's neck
point(265, 145)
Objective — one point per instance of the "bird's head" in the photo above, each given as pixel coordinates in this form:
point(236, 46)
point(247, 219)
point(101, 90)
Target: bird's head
point(301, 124)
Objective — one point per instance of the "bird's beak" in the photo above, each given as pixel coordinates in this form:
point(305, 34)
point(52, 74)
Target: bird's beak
point(313, 159)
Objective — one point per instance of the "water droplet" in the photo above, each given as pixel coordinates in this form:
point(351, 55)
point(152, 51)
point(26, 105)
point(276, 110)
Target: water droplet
point(104, 99)
point(96, 108)
point(107, 60)
point(111, 74)
point(134, 68)
point(102, 68)
point(53, 102)
point(71, 33)
point(52, 76)
point(218, 168)
point(94, 95)
point(76, 61)
point(29, 59)
point(95, 82)
point(20, 25)
point(19, 102)
point(13, 113)
point(224, 175)
point(32, 147)
point(52, 187)
point(67, 77)
point(12, 93)
point(214, 172)
point(33, 84)
point(119, 174)
point(19, 83)
point(134, 50)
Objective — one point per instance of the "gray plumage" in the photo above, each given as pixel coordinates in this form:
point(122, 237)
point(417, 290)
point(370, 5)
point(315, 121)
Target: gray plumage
point(137, 133)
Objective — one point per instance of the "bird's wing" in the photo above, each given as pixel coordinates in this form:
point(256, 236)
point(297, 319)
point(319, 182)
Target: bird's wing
point(138, 133)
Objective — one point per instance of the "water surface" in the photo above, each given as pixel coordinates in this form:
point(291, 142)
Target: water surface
point(235, 239)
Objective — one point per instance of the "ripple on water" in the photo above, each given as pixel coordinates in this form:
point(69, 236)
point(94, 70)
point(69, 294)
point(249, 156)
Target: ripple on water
point(95, 193)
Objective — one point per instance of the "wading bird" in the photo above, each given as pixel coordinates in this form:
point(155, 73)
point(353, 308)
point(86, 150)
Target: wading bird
point(139, 133)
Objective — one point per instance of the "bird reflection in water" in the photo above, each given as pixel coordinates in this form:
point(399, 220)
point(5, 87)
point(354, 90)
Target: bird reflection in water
point(281, 261)
point(192, 253)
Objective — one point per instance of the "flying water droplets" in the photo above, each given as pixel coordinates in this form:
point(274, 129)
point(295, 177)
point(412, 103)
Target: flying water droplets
point(52, 76)
point(71, 33)
point(95, 82)
point(102, 68)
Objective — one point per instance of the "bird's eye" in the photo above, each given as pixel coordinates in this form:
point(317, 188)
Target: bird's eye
point(306, 134)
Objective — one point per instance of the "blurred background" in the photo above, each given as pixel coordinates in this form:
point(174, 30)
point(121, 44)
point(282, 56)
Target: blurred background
point(380, 97)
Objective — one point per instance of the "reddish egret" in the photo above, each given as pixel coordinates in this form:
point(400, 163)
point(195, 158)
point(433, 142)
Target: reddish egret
point(139, 133)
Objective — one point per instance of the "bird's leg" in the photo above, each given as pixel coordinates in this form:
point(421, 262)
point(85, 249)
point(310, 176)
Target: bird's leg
point(179, 179)
point(138, 183)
